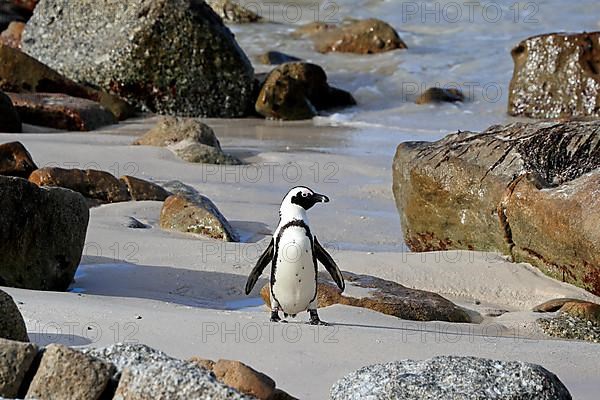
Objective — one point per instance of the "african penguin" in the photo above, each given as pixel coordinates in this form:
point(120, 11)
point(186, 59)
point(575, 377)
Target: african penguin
point(293, 253)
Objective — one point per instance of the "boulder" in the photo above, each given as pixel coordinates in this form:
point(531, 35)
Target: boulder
point(91, 183)
point(232, 11)
point(386, 297)
point(65, 373)
point(43, 231)
point(189, 138)
point(244, 379)
point(10, 121)
point(195, 214)
point(556, 75)
point(312, 28)
point(12, 35)
point(15, 160)
point(451, 377)
point(276, 58)
point(191, 66)
point(141, 190)
point(440, 95)
point(567, 326)
point(202, 362)
point(15, 360)
point(12, 326)
point(298, 90)
point(583, 309)
point(148, 374)
point(60, 111)
point(526, 190)
point(555, 304)
point(23, 74)
point(367, 36)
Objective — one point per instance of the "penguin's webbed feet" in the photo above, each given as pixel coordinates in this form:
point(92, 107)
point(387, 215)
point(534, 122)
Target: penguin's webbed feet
point(315, 320)
point(275, 317)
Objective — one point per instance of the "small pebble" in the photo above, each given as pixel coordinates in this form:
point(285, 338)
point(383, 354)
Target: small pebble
point(138, 317)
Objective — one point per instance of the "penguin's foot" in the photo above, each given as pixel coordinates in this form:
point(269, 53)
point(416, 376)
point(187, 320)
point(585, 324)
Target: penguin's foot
point(275, 317)
point(315, 320)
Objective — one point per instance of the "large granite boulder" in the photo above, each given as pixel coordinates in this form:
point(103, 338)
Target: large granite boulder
point(15, 360)
point(12, 326)
point(43, 233)
point(10, 121)
point(556, 75)
point(451, 377)
point(21, 73)
point(527, 190)
point(298, 90)
point(15, 160)
point(384, 296)
point(165, 56)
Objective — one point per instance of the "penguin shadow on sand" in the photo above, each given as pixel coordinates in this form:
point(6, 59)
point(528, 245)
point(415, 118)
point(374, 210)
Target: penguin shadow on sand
point(103, 276)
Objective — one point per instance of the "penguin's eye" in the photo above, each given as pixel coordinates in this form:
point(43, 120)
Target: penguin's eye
point(304, 194)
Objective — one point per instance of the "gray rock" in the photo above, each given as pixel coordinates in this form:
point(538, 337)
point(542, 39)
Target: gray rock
point(12, 326)
point(9, 118)
point(232, 11)
point(149, 374)
point(135, 224)
point(567, 326)
point(15, 360)
point(191, 66)
point(43, 233)
point(450, 377)
point(65, 373)
point(189, 138)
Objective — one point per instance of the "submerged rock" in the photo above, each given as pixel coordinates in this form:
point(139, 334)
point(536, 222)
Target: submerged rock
point(9, 117)
point(60, 111)
point(15, 160)
point(189, 138)
point(276, 58)
point(195, 214)
point(12, 326)
point(556, 75)
point(526, 190)
point(91, 183)
point(15, 360)
point(440, 95)
point(386, 297)
point(43, 231)
point(366, 36)
point(232, 11)
point(191, 66)
point(298, 90)
point(21, 73)
point(451, 377)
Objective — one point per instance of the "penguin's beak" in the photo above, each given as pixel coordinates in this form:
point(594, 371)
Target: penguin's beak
point(320, 198)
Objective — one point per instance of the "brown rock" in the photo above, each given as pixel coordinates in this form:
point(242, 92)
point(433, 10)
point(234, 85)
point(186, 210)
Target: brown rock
point(10, 121)
point(12, 35)
point(386, 297)
point(583, 309)
point(15, 360)
point(526, 190)
point(195, 215)
point(555, 304)
point(65, 373)
point(15, 160)
point(556, 75)
point(141, 190)
point(202, 362)
point(20, 73)
point(276, 58)
point(440, 95)
point(230, 10)
point(28, 5)
point(313, 28)
point(12, 326)
point(243, 378)
point(358, 36)
point(60, 111)
point(298, 90)
point(93, 184)
point(43, 234)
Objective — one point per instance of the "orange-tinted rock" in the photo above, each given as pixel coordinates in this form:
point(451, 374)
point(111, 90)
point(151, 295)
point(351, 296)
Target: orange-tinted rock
point(15, 160)
point(243, 378)
point(141, 190)
point(12, 35)
point(93, 184)
point(21, 73)
point(584, 310)
point(60, 111)
point(386, 297)
point(366, 36)
point(554, 304)
point(202, 362)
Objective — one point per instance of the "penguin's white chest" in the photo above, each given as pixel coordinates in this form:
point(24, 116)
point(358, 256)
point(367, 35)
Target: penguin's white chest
point(295, 283)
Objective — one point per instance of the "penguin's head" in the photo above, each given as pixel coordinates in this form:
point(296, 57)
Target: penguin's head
point(302, 197)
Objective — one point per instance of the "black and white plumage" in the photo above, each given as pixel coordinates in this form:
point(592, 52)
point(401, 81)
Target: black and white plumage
point(293, 254)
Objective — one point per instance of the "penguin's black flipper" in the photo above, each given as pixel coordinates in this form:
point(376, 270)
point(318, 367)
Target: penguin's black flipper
point(330, 265)
point(262, 262)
